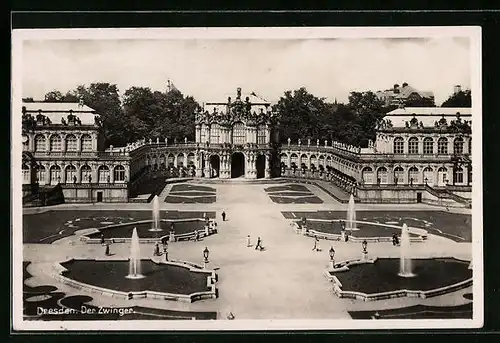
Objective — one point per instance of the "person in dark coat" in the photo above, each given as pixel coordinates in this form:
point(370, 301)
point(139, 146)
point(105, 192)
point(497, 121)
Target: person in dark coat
point(157, 250)
point(223, 214)
point(259, 246)
point(102, 239)
point(107, 253)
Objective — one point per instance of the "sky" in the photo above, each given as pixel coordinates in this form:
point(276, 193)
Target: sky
point(212, 69)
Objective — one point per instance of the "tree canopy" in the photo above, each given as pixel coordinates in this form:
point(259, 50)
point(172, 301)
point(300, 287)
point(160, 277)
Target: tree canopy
point(143, 113)
point(459, 99)
point(302, 115)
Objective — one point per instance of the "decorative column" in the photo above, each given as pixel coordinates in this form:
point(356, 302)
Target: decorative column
point(63, 172)
point(206, 170)
point(79, 142)
point(111, 174)
point(197, 133)
point(267, 170)
point(47, 142)
point(198, 163)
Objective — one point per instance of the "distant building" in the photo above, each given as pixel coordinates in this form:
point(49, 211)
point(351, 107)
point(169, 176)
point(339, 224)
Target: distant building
point(406, 95)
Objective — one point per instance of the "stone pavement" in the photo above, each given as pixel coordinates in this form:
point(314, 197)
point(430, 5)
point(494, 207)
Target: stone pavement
point(284, 281)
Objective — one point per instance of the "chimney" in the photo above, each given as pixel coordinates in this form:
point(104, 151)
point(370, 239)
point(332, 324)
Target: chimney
point(457, 89)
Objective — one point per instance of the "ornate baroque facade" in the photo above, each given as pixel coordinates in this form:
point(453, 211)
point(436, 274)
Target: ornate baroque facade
point(420, 154)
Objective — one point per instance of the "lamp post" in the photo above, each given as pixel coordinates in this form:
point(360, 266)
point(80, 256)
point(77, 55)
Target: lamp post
point(332, 256)
point(206, 252)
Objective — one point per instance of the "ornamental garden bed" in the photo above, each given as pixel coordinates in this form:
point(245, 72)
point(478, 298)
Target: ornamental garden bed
point(296, 200)
point(289, 187)
point(188, 187)
point(190, 200)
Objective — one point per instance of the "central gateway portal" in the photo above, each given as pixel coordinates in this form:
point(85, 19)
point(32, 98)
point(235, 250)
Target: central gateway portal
point(237, 165)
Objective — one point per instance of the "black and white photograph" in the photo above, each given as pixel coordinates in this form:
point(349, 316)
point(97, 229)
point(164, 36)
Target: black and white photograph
point(247, 178)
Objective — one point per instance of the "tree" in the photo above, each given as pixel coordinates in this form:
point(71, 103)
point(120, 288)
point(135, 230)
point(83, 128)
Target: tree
point(459, 99)
point(299, 115)
point(53, 96)
point(368, 110)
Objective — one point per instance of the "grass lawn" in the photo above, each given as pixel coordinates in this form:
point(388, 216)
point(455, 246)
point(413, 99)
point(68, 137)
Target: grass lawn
point(188, 187)
point(190, 200)
point(301, 200)
point(290, 187)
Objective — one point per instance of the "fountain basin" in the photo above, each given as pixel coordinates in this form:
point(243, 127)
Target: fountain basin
point(121, 233)
point(378, 279)
point(370, 231)
point(173, 280)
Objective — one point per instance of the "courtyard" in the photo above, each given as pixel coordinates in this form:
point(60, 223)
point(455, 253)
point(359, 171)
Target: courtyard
point(284, 281)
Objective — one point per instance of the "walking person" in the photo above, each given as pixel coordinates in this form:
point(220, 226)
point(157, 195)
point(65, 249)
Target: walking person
point(107, 252)
point(102, 239)
point(316, 244)
point(197, 237)
point(223, 214)
point(259, 246)
point(156, 252)
point(249, 242)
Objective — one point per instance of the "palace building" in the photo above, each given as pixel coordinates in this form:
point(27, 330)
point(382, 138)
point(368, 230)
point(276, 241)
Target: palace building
point(420, 154)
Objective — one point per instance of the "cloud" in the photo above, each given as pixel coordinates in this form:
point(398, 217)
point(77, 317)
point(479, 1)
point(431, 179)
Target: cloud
point(210, 70)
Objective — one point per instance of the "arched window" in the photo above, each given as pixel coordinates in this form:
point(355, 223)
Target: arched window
point(367, 175)
point(398, 175)
point(85, 173)
point(70, 174)
point(294, 160)
point(261, 134)
point(458, 175)
point(162, 161)
point(26, 143)
point(40, 144)
point(71, 143)
point(442, 176)
point(86, 143)
point(382, 175)
point(428, 176)
point(413, 145)
point(458, 146)
point(214, 133)
point(443, 146)
point(55, 143)
point(303, 160)
point(170, 160)
point(55, 175)
point(428, 146)
point(284, 159)
point(329, 161)
point(40, 174)
point(103, 174)
point(413, 175)
point(119, 173)
point(190, 159)
point(239, 134)
point(180, 160)
point(321, 161)
point(26, 174)
point(314, 161)
point(399, 145)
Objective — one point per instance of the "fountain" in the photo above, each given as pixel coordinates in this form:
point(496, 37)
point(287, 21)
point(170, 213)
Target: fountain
point(155, 226)
point(135, 258)
point(351, 215)
point(405, 269)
